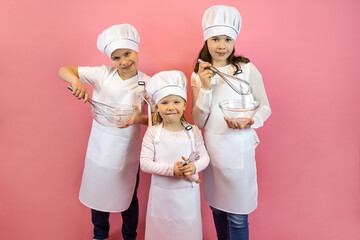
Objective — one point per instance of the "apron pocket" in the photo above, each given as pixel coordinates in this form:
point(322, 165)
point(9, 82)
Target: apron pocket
point(173, 204)
point(230, 151)
point(106, 149)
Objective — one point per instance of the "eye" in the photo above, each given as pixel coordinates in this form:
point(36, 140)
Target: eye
point(127, 54)
point(116, 58)
point(177, 102)
point(164, 103)
point(215, 39)
point(228, 39)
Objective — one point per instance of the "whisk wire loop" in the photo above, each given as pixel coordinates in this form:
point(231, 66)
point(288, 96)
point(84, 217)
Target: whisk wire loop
point(241, 90)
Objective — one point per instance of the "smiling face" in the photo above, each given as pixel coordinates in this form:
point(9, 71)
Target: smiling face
point(125, 61)
point(171, 108)
point(220, 47)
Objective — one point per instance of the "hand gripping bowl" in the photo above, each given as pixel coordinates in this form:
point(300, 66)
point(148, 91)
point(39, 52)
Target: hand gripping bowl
point(239, 110)
point(113, 118)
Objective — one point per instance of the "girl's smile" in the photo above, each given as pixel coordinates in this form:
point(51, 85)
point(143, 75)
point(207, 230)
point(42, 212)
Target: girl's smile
point(221, 53)
point(220, 47)
point(171, 108)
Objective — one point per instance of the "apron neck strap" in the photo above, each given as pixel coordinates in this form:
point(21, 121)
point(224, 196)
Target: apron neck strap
point(141, 95)
point(140, 91)
point(158, 132)
point(188, 129)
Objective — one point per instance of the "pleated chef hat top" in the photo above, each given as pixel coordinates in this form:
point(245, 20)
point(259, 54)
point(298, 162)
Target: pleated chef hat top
point(167, 83)
point(221, 20)
point(122, 36)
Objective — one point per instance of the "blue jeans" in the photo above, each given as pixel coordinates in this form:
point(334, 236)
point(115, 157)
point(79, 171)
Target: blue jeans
point(230, 226)
point(130, 219)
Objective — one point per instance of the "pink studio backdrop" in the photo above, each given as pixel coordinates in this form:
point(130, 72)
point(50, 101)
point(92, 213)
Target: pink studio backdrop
point(308, 159)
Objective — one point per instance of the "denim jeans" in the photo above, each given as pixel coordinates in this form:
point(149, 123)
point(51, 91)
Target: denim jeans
point(130, 219)
point(230, 226)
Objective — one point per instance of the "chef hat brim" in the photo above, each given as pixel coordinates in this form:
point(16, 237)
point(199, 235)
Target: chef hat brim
point(220, 30)
point(121, 44)
point(169, 90)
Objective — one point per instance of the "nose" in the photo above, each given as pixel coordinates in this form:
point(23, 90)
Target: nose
point(221, 45)
point(170, 106)
point(123, 61)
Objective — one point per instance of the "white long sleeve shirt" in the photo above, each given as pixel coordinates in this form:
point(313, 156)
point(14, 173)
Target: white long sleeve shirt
point(202, 99)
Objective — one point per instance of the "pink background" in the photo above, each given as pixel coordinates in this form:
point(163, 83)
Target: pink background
point(308, 159)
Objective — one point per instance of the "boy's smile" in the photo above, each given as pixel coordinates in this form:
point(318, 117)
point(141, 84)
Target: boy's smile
point(125, 61)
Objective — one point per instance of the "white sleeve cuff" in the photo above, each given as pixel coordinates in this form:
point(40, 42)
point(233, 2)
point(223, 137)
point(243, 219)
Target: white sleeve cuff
point(203, 101)
point(196, 168)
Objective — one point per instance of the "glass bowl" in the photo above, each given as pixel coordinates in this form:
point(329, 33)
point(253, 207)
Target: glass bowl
point(111, 119)
point(239, 110)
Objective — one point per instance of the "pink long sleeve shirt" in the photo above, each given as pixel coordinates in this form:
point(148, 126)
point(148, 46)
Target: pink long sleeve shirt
point(147, 161)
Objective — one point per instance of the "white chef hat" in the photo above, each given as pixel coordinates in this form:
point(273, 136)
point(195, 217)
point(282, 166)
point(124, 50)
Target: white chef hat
point(221, 20)
point(118, 36)
point(167, 83)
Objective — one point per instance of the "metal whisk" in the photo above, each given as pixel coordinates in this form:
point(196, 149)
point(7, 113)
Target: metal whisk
point(102, 108)
point(238, 89)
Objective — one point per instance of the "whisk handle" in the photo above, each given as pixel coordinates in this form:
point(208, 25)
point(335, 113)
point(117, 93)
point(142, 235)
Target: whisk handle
point(211, 68)
point(89, 99)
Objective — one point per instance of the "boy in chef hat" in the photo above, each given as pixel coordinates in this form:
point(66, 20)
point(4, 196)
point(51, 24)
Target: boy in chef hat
point(230, 182)
point(110, 177)
point(172, 196)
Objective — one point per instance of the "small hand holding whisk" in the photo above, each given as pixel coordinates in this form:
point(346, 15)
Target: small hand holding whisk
point(227, 78)
point(79, 90)
point(188, 168)
point(205, 75)
point(101, 107)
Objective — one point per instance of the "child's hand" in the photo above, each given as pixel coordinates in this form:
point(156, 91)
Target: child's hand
point(188, 169)
point(134, 119)
point(236, 125)
point(177, 171)
point(79, 90)
point(205, 75)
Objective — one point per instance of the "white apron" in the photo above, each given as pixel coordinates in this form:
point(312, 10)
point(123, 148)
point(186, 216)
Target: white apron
point(174, 203)
point(111, 163)
point(230, 181)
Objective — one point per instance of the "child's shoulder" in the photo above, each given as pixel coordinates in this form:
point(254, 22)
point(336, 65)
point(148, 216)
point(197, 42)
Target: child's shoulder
point(194, 128)
point(95, 74)
point(108, 69)
point(103, 68)
point(194, 75)
point(196, 131)
point(151, 131)
point(195, 79)
point(247, 65)
point(143, 76)
point(249, 68)
point(153, 128)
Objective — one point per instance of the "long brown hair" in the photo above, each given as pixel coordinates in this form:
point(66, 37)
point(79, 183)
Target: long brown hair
point(232, 59)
